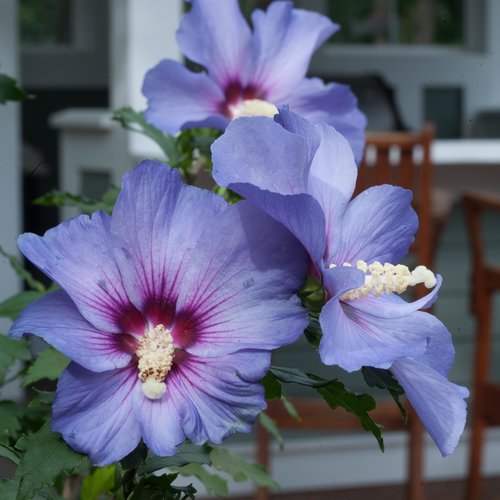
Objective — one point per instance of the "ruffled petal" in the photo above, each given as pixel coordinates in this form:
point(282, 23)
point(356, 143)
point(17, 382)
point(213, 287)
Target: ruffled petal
point(217, 397)
point(160, 423)
point(268, 165)
point(56, 319)
point(215, 34)
point(438, 402)
point(78, 254)
point(352, 339)
point(378, 225)
point(393, 306)
point(237, 292)
point(332, 178)
point(283, 42)
point(157, 221)
point(334, 104)
point(178, 98)
point(93, 412)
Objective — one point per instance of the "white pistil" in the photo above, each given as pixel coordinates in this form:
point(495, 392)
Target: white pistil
point(155, 351)
point(253, 107)
point(388, 279)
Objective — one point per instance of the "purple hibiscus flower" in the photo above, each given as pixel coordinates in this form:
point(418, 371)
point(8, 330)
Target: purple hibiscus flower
point(249, 73)
point(304, 176)
point(169, 311)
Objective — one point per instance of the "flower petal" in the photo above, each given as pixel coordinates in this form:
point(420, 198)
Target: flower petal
point(333, 104)
point(243, 158)
point(93, 412)
point(56, 319)
point(352, 339)
point(340, 280)
point(215, 34)
point(283, 42)
point(160, 423)
point(179, 98)
point(438, 402)
point(378, 225)
point(393, 306)
point(78, 254)
point(332, 178)
point(238, 288)
point(217, 397)
point(157, 221)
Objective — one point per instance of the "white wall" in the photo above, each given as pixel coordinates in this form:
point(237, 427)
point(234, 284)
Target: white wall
point(10, 170)
point(410, 69)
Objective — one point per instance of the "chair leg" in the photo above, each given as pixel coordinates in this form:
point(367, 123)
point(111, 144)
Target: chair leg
point(415, 485)
point(263, 459)
point(475, 458)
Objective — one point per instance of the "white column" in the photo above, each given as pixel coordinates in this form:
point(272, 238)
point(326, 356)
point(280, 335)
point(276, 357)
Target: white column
point(10, 145)
point(142, 33)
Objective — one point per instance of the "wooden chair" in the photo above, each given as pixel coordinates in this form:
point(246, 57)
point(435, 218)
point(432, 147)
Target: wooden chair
point(485, 409)
point(400, 158)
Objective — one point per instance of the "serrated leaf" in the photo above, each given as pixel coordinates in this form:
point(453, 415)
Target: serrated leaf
point(10, 90)
point(135, 121)
point(42, 398)
point(25, 275)
point(11, 351)
point(9, 420)
point(384, 379)
point(47, 456)
point(294, 375)
point(337, 395)
point(100, 481)
point(186, 453)
point(48, 365)
point(86, 205)
point(272, 386)
point(13, 306)
point(241, 470)
point(9, 453)
point(161, 488)
point(214, 484)
point(272, 427)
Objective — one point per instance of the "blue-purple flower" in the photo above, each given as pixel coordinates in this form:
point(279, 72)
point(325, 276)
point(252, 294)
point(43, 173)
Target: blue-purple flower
point(248, 72)
point(168, 310)
point(304, 176)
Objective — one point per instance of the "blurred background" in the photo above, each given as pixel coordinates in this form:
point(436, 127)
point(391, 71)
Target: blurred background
point(408, 61)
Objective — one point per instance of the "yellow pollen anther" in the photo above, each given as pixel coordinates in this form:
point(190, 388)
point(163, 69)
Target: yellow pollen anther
point(253, 107)
point(155, 352)
point(388, 279)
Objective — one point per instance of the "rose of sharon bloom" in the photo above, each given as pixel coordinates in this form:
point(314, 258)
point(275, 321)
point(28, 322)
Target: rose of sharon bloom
point(249, 73)
point(304, 176)
point(168, 310)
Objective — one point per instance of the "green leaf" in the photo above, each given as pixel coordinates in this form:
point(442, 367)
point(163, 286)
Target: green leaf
point(10, 413)
point(18, 268)
point(86, 205)
point(161, 488)
point(135, 121)
point(42, 398)
point(135, 458)
point(47, 457)
point(9, 453)
point(186, 453)
point(8, 489)
point(49, 364)
point(10, 90)
point(240, 469)
point(272, 427)
point(100, 481)
point(12, 307)
point(290, 408)
point(313, 331)
point(294, 375)
point(214, 484)
point(10, 351)
point(384, 379)
point(271, 386)
point(336, 395)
